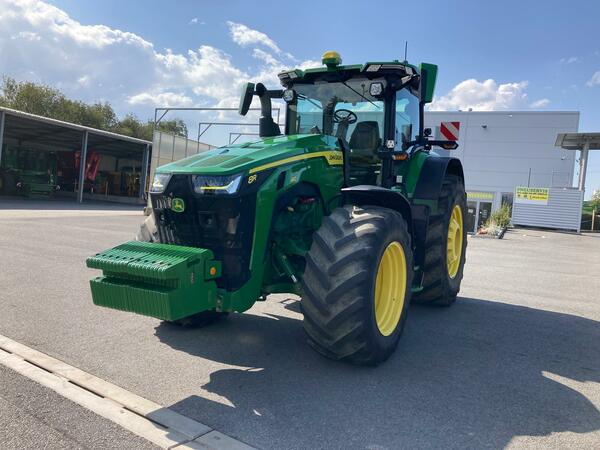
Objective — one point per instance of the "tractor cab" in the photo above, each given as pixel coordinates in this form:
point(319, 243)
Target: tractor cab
point(374, 109)
point(354, 110)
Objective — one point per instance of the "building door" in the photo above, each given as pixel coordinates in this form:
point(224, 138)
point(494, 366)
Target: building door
point(485, 209)
point(470, 218)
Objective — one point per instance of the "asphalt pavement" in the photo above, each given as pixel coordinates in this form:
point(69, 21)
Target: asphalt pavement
point(34, 417)
point(515, 363)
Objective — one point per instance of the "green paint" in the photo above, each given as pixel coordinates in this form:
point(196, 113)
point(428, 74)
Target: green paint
point(431, 75)
point(158, 280)
point(235, 159)
point(410, 169)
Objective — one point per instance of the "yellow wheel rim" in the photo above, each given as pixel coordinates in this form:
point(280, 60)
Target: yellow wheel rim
point(455, 241)
point(390, 288)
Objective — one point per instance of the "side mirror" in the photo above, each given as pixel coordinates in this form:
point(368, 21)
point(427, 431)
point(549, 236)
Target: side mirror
point(427, 132)
point(246, 98)
point(428, 77)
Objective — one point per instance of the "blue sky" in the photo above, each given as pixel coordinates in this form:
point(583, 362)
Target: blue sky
point(138, 54)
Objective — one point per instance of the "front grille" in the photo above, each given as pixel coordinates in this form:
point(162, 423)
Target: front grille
point(223, 224)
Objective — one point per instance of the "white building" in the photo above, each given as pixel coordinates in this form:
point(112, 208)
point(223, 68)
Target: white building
point(503, 150)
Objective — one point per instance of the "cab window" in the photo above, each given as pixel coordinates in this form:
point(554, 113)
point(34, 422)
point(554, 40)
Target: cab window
point(407, 117)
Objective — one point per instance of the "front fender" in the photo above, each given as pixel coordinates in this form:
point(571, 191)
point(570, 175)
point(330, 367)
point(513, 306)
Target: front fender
point(362, 195)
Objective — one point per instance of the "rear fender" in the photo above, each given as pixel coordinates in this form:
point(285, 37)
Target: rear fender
point(426, 195)
point(432, 176)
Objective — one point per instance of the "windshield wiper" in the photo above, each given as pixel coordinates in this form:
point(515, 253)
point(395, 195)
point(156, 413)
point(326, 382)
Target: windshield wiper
point(304, 97)
point(356, 92)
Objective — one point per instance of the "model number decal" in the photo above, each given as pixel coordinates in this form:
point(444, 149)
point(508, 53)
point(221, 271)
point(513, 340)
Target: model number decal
point(252, 178)
point(335, 158)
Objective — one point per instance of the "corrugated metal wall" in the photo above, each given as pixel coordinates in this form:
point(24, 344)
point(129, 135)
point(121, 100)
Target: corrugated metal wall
point(562, 212)
point(167, 148)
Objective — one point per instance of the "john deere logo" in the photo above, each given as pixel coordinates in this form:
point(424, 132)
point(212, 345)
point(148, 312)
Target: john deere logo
point(178, 205)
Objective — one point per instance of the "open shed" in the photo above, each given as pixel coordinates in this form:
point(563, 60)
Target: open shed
point(43, 157)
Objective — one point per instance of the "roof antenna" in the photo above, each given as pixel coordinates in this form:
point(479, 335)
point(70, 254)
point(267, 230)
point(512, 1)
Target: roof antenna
point(405, 50)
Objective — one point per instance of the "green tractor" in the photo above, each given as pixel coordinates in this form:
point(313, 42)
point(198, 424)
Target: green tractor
point(28, 172)
point(348, 209)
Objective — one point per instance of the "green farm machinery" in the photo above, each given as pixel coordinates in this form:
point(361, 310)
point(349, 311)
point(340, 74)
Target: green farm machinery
point(349, 209)
point(29, 173)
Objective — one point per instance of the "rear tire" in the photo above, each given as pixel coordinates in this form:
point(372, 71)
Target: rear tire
point(345, 317)
point(439, 287)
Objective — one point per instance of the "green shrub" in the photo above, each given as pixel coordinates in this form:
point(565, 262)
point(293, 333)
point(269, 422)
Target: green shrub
point(500, 218)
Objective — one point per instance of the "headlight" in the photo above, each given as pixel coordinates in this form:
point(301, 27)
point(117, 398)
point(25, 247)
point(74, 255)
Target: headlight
point(206, 184)
point(376, 89)
point(288, 95)
point(160, 182)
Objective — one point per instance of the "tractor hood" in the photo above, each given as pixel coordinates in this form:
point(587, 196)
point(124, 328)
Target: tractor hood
point(234, 159)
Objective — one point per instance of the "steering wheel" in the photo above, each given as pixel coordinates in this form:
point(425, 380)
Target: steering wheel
point(346, 116)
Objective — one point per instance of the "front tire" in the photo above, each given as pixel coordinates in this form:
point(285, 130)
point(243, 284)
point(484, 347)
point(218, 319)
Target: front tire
point(357, 284)
point(445, 247)
point(148, 231)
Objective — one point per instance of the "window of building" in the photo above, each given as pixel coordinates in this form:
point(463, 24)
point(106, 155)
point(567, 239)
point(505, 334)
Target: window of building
point(507, 198)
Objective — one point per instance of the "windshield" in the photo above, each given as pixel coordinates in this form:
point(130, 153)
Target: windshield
point(317, 108)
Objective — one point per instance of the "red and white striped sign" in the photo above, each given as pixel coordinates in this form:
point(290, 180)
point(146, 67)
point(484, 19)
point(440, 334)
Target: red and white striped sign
point(449, 130)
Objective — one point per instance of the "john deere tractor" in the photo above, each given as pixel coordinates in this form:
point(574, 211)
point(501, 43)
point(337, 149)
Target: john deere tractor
point(349, 208)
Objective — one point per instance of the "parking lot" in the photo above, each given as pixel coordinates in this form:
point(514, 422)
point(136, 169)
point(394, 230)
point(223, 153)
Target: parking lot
point(515, 363)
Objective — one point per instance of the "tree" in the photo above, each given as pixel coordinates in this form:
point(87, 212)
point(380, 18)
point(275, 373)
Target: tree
point(595, 202)
point(175, 126)
point(131, 126)
point(47, 101)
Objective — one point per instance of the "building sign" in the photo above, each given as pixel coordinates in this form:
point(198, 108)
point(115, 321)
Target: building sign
point(532, 196)
point(474, 195)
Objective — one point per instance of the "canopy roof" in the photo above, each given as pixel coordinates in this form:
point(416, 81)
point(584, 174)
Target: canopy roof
point(43, 133)
point(576, 141)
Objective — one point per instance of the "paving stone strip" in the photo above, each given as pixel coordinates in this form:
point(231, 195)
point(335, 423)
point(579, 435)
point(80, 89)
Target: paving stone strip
point(147, 419)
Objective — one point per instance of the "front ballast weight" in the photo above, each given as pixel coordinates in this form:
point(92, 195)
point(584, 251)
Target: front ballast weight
point(168, 282)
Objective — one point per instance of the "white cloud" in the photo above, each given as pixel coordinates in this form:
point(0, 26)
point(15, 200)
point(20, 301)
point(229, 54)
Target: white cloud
point(26, 35)
point(84, 81)
point(196, 21)
point(541, 103)
point(570, 60)
point(166, 99)
point(265, 56)
point(38, 15)
point(595, 80)
point(41, 43)
point(482, 96)
point(245, 36)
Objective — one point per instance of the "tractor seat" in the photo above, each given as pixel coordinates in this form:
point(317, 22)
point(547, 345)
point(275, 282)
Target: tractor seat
point(364, 143)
